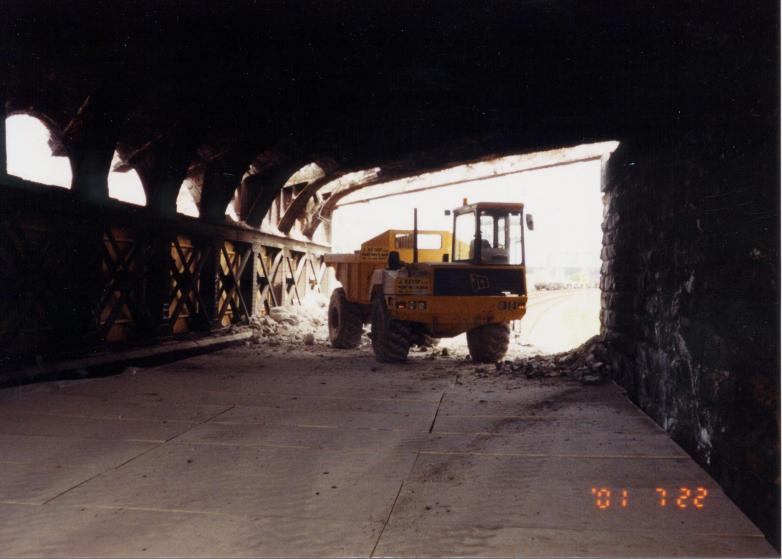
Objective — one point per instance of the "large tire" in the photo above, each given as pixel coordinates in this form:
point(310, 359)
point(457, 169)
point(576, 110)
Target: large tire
point(346, 322)
point(489, 343)
point(390, 338)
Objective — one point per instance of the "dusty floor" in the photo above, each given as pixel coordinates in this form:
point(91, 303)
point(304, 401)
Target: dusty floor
point(300, 450)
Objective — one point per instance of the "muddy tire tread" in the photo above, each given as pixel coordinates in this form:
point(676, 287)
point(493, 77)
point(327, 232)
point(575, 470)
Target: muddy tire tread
point(347, 334)
point(489, 343)
point(390, 338)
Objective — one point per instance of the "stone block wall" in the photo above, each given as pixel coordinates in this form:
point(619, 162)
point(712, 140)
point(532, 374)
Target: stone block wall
point(690, 303)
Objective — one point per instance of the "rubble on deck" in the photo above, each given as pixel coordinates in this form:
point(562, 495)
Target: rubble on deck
point(304, 323)
point(586, 363)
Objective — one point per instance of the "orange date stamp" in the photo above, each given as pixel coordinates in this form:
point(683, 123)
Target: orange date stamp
point(684, 497)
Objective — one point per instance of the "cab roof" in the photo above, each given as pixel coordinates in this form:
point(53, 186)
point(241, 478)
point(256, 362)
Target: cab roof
point(512, 206)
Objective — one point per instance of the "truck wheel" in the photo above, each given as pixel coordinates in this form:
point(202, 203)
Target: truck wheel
point(345, 321)
point(489, 343)
point(390, 338)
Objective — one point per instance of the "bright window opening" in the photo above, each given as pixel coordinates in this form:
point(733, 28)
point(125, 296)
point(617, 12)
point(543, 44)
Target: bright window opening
point(124, 183)
point(426, 241)
point(188, 198)
point(30, 154)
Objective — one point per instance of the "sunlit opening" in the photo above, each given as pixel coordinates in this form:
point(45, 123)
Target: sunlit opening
point(30, 155)
point(308, 173)
point(188, 198)
point(230, 211)
point(124, 183)
point(289, 191)
point(560, 188)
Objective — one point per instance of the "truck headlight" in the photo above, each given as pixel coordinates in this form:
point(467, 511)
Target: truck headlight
point(503, 305)
point(421, 305)
point(411, 305)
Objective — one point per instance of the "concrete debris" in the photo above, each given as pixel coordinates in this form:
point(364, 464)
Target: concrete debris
point(306, 324)
point(293, 323)
point(586, 364)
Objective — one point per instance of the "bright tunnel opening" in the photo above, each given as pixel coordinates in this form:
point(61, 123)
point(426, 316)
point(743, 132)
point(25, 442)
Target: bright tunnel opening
point(563, 193)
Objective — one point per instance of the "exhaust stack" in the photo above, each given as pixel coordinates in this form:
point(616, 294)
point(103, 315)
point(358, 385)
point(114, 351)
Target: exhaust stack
point(415, 235)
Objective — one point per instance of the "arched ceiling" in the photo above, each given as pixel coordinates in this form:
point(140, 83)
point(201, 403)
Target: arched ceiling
point(407, 87)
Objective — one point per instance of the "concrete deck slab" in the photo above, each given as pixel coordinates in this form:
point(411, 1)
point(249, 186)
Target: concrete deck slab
point(182, 469)
point(501, 541)
point(314, 377)
point(335, 418)
point(564, 504)
point(499, 424)
point(549, 403)
point(62, 451)
point(63, 531)
point(311, 452)
point(38, 483)
point(594, 471)
point(14, 422)
point(328, 438)
point(246, 493)
point(189, 391)
point(543, 444)
point(103, 408)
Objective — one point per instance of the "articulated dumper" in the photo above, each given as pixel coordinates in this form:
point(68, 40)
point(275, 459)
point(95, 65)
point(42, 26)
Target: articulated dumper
point(416, 285)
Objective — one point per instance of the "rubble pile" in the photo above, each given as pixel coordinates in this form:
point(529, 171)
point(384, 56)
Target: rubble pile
point(304, 323)
point(587, 364)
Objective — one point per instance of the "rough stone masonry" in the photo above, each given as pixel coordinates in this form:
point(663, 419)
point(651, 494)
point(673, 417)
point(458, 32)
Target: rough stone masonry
point(691, 298)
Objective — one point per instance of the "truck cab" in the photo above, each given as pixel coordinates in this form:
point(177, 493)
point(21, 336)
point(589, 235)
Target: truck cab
point(488, 233)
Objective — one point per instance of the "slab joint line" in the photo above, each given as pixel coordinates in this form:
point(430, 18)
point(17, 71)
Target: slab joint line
point(440, 403)
point(203, 422)
point(388, 518)
point(132, 458)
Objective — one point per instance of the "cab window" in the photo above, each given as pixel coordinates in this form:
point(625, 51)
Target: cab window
point(464, 234)
point(500, 237)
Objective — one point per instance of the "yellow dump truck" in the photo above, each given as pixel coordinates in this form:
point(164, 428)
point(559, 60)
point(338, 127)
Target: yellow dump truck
point(416, 284)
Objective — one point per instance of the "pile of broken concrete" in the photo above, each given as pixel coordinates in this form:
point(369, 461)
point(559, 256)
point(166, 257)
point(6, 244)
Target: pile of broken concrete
point(587, 363)
point(304, 323)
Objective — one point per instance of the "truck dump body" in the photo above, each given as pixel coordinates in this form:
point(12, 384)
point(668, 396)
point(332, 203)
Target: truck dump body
point(354, 271)
point(355, 274)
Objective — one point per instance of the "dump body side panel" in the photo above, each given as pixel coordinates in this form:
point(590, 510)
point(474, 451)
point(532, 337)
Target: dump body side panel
point(432, 245)
point(354, 271)
point(355, 275)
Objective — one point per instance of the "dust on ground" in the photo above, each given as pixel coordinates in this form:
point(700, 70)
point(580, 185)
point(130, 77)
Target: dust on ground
point(304, 328)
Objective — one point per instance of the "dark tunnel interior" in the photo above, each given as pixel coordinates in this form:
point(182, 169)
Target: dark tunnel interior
point(236, 97)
